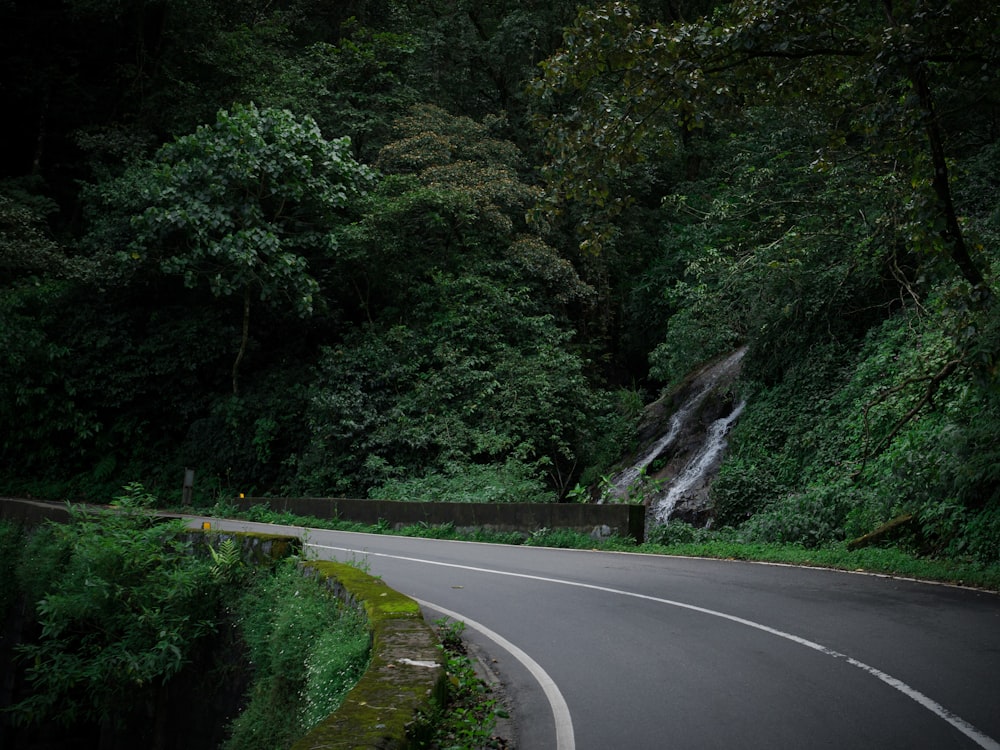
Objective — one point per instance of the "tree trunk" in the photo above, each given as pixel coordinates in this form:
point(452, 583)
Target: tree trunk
point(952, 232)
point(243, 341)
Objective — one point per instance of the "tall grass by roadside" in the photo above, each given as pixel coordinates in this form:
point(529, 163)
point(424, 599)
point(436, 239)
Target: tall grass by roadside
point(307, 651)
point(684, 540)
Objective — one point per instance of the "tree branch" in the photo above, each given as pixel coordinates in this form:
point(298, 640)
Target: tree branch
point(243, 340)
point(933, 383)
point(941, 182)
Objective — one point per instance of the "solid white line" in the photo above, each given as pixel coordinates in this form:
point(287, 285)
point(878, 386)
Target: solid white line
point(981, 739)
point(565, 739)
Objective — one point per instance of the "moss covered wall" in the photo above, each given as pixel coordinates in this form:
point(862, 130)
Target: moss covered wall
point(405, 679)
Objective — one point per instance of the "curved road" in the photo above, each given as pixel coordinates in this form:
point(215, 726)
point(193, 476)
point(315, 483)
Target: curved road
point(608, 650)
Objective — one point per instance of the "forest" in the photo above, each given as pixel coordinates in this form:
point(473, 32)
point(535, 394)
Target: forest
point(449, 250)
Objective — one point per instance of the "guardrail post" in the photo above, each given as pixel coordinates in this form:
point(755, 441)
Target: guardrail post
point(188, 486)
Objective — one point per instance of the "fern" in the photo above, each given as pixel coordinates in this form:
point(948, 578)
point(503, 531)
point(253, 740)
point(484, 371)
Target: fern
point(227, 562)
point(105, 468)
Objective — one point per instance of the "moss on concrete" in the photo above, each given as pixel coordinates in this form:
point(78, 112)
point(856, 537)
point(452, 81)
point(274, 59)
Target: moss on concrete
point(256, 548)
point(405, 681)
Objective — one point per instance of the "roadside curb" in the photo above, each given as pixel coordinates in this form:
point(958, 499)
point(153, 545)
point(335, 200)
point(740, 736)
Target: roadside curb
point(405, 682)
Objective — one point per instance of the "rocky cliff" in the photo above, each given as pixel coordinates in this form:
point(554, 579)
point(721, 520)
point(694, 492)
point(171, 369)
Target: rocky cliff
point(682, 438)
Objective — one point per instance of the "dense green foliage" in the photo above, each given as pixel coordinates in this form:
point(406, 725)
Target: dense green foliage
point(436, 250)
point(306, 652)
point(128, 627)
point(122, 606)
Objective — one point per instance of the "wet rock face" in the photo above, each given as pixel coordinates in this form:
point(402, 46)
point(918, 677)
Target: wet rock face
point(692, 462)
point(682, 440)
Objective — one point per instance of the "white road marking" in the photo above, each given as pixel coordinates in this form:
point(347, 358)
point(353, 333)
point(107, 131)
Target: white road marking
point(981, 739)
point(565, 739)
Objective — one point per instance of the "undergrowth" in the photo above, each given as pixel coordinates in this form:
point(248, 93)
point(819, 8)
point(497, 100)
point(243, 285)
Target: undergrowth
point(307, 651)
point(122, 584)
point(678, 538)
point(469, 719)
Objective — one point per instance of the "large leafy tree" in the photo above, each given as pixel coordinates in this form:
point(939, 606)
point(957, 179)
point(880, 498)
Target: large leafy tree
point(244, 205)
point(476, 386)
point(642, 91)
point(462, 356)
point(453, 197)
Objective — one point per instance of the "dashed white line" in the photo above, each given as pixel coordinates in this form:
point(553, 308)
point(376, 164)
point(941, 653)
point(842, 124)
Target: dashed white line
point(984, 741)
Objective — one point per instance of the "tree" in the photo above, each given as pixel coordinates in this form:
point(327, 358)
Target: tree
point(452, 198)
point(462, 357)
point(643, 90)
point(244, 205)
point(475, 377)
point(475, 54)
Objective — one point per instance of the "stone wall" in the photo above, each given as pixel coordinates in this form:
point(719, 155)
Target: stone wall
point(405, 682)
point(597, 520)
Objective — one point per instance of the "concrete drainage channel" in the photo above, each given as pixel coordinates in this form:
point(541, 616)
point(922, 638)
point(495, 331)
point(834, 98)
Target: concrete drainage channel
point(405, 680)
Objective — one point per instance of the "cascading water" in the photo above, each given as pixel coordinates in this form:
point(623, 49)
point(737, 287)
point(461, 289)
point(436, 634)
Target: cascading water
point(695, 472)
point(703, 460)
point(623, 482)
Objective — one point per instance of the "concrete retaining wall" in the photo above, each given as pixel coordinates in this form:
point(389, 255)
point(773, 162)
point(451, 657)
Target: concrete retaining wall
point(597, 520)
point(32, 512)
point(392, 706)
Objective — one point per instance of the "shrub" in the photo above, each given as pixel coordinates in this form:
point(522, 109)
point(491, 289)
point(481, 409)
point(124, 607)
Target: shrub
point(307, 650)
point(981, 539)
point(122, 605)
point(509, 482)
point(675, 532)
point(811, 519)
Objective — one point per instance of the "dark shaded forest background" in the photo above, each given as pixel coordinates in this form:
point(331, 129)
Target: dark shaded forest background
point(448, 250)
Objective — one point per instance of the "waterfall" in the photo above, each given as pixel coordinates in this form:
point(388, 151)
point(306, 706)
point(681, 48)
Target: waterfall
point(697, 468)
point(702, 385)
point(621, 483)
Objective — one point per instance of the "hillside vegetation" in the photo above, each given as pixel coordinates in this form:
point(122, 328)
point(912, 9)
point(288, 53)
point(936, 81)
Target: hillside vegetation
point(431, 250)
point(123, 629)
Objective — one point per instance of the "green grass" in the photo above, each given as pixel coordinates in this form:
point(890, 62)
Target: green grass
point(307, 650)
point(886, 561)
point(683, 540)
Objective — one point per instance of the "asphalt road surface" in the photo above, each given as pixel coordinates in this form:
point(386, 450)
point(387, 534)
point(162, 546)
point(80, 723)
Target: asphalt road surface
point(607, 650)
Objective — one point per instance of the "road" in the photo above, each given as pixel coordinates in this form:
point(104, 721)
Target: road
point(610, 650)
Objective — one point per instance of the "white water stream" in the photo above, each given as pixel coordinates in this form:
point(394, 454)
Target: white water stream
point(702, 462)
point(704, 458)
